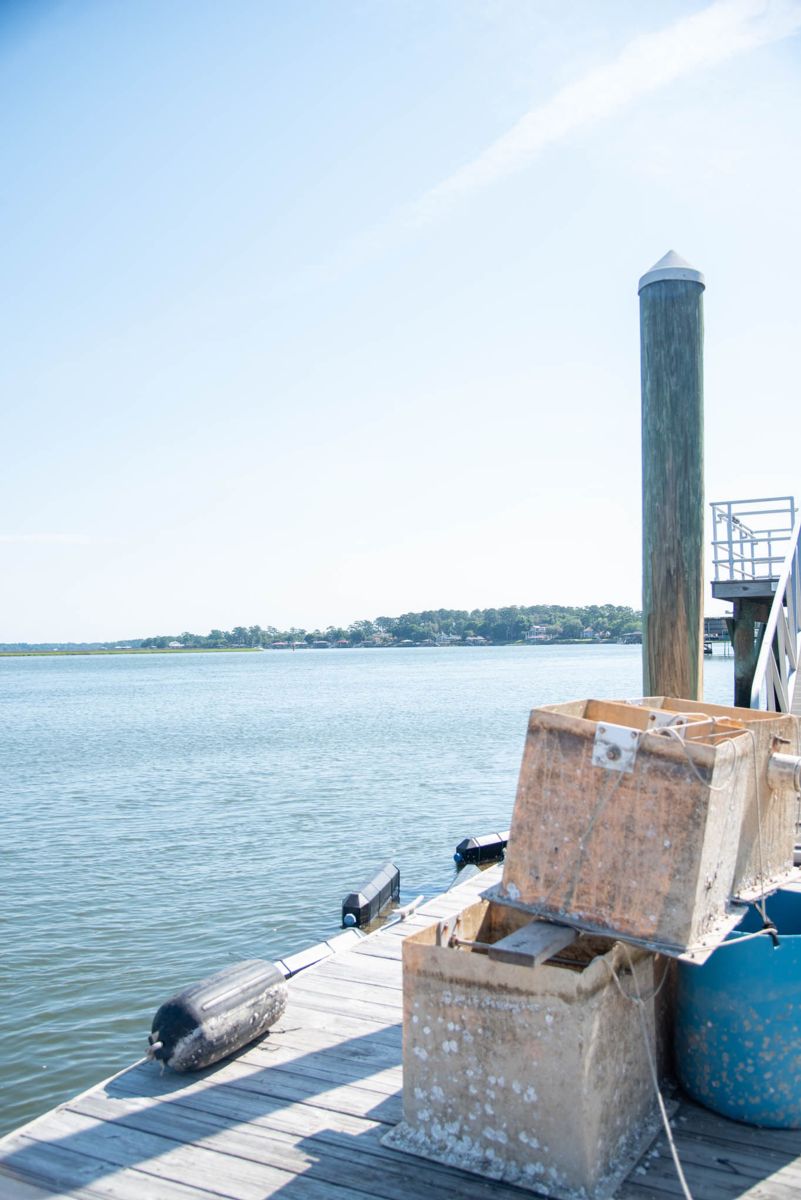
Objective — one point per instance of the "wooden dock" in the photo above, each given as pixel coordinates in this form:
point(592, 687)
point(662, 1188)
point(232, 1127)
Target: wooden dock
point(302, 1114)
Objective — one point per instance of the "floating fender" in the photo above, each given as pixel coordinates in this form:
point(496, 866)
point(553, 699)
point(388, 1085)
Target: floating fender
point(213, 1018)
point(362, 907)
point(488, 848)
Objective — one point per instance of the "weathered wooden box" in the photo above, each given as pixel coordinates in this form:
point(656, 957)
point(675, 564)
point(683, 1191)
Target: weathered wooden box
point(625, 829)
point(535, 1075)
point(769, 823)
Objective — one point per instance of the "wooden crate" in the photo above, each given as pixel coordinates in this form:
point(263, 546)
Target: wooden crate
point(771, 813)
point(647, 854)
point(537, 1075)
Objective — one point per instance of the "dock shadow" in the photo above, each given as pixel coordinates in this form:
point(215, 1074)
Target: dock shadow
point(181, 1110)
point(314, 1122)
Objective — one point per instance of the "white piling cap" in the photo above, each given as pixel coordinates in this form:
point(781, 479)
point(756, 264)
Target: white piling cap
point(672, 266)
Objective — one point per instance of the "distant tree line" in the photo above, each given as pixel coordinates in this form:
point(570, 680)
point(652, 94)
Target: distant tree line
point(496, 626)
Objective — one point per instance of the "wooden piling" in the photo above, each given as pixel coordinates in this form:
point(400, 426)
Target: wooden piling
point(671, 345)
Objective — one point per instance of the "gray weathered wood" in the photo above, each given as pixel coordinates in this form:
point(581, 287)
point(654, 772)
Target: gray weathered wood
point(375, 994)
point(671, 342)
point(15, 1188)
point(532, 944)
point(302, 1113)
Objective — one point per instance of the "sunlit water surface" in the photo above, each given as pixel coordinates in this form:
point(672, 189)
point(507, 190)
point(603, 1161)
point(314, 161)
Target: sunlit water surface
point(165, 815)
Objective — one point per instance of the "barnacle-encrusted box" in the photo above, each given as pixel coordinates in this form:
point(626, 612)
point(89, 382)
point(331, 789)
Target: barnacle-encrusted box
point(625, 827)
point(535, 1075)
point(768, 832)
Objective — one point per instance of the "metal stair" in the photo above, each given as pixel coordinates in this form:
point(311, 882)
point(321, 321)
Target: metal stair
point(758, 566)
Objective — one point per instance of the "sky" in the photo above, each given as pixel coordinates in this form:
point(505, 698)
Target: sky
point(328, 310)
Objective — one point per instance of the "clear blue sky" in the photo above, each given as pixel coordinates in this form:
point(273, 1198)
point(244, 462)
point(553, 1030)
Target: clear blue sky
point(320, 311)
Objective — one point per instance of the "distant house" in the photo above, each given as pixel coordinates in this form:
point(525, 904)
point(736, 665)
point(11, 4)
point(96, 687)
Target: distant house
point(475, 640)
point(539, 633)
point(175, 646)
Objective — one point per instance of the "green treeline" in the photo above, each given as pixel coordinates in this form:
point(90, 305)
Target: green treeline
point(442, 626)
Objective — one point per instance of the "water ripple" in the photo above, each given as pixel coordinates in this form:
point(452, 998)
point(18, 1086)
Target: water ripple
point(165, 815)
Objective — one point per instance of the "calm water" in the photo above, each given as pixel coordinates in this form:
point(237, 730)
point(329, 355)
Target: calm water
point(163, 816)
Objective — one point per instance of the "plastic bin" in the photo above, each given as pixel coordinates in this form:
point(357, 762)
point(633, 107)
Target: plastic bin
point(738, 1022)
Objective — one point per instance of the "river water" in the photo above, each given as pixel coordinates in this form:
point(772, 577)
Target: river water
point(165, 815)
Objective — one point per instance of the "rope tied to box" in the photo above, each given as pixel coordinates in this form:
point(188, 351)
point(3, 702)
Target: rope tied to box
point(673, 729)
point(640, 1004)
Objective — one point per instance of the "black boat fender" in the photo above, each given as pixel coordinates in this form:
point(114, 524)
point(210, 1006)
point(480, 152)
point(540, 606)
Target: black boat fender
point(488, 848)
point(362, 907)
point(211, 1019)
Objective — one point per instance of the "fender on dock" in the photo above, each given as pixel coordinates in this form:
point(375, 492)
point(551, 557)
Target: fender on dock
point(362, 907)
point(487, 848)
point(213, 1018)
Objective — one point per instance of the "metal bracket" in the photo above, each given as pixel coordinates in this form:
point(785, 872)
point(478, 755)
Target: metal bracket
point(659, 718)
point(615, 748)
point(445, 929)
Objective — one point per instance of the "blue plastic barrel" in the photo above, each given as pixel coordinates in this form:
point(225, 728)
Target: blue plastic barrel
point(738, 1022)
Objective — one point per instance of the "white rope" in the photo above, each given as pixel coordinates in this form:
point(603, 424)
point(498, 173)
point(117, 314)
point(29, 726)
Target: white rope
point(640, 1004)
point(740, 938)
point(672, 731)
point(761, 904)
point(600, 804)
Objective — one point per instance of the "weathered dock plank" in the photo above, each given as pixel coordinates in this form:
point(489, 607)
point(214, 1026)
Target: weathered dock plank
point(302, 1113)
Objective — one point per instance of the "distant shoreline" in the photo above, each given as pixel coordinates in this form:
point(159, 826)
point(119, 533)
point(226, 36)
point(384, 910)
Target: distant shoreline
point(132, 650)
point(284, 649)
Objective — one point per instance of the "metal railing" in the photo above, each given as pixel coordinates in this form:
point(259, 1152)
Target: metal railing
point(777, 665)
point(750, 538)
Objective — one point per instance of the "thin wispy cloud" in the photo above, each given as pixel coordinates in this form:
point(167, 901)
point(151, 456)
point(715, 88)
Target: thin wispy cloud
point(646, 64)
point(46, 539)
